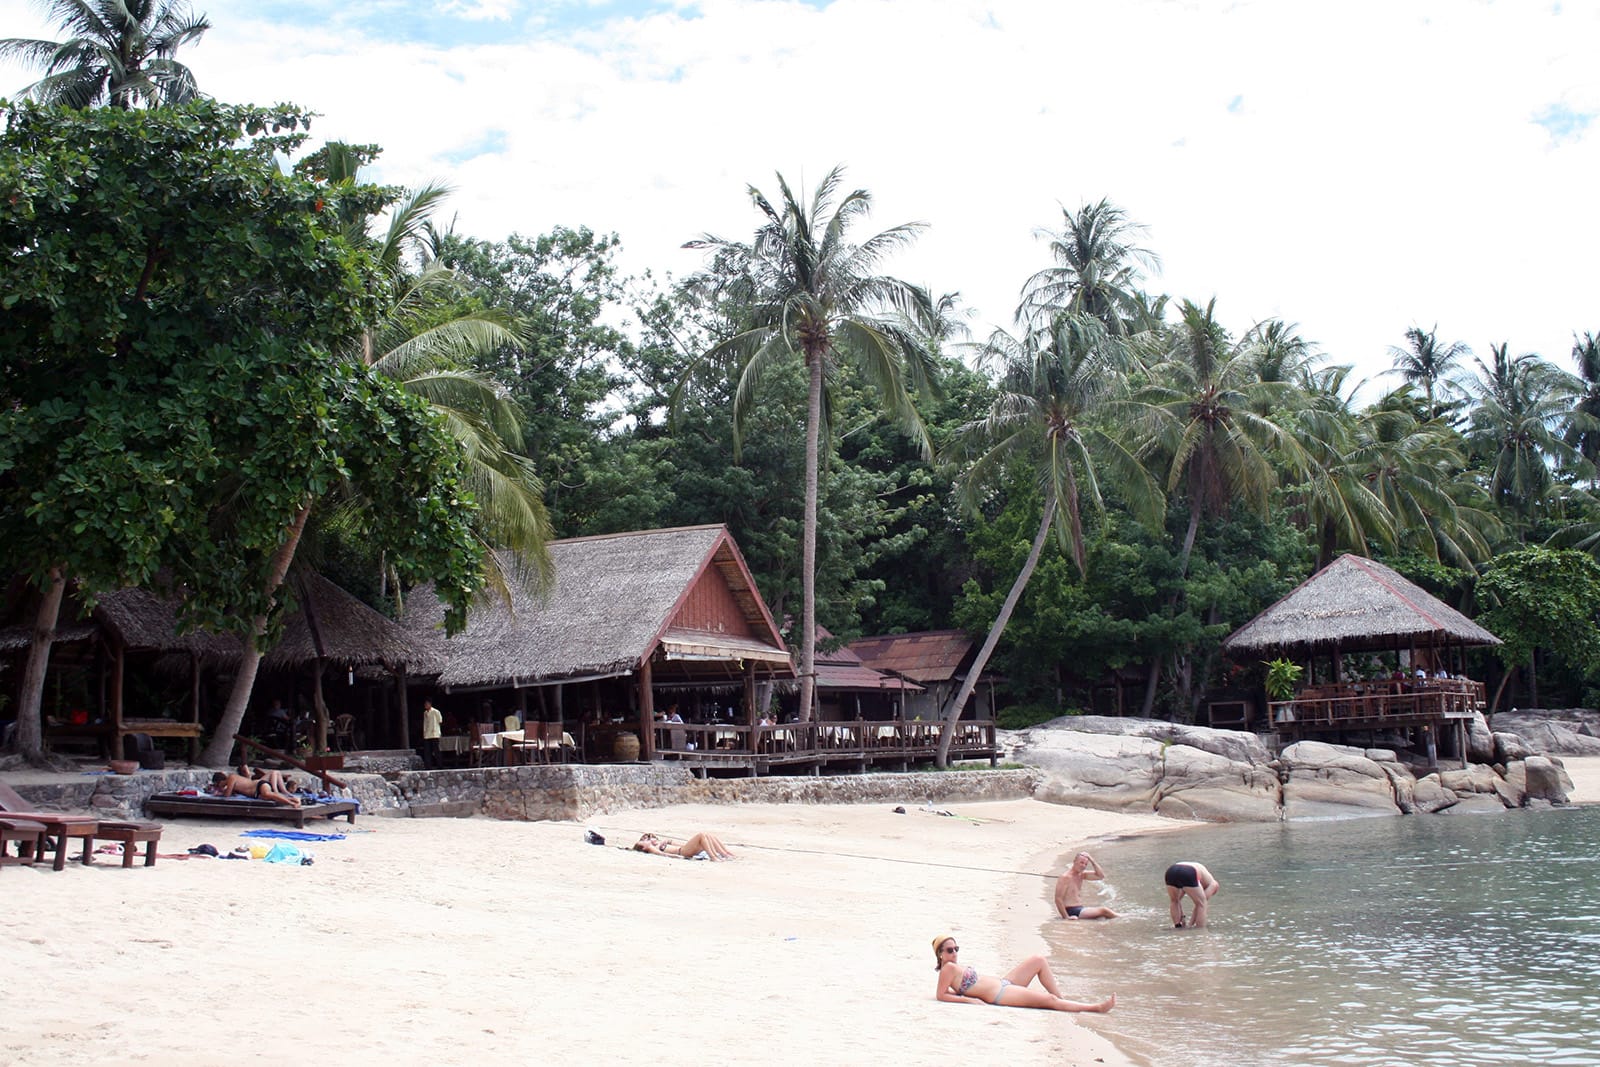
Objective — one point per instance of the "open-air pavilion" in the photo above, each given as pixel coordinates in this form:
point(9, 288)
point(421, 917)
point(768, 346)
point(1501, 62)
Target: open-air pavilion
point(1339, 624)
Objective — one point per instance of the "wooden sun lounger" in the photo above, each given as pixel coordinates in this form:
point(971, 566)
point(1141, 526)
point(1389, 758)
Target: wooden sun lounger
point(236, 808)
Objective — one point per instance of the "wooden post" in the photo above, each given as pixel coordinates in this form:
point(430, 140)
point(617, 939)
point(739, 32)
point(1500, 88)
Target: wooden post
point(647, 712)
point(194, 706)
point(405, 713)
point(116, 704)
point(750, 705)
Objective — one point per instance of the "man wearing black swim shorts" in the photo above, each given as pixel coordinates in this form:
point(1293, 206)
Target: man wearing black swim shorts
point(1190, 880)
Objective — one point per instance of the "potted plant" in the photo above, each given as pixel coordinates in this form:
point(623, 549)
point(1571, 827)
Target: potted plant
point(325, 761)
point(1282, 674)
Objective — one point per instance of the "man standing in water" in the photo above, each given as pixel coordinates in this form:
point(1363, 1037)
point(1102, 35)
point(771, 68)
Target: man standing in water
point(1190, 880)
point(1069, 890)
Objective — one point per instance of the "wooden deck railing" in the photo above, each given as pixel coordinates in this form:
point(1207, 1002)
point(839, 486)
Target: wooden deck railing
point(1378, 704)
point(821, 742)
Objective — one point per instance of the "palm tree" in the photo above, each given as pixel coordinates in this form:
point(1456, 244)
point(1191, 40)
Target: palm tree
point(1584, 434)
point(1430, 364)
point(1097, 271)
point(1051, 385)
point(1522, 404)
point(1202, 413)
point(815, 295)
point(119, 53)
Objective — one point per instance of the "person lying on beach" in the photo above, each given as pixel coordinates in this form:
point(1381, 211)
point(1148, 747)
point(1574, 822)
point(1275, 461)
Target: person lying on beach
point(1190, 880)
point(1069, 890)
point(226, 785)
point(700, 846)
point(964, 985)
point(276, 780)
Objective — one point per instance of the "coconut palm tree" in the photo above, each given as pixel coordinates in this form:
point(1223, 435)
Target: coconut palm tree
point(1052, 385)
point(1584, 434)
point(815, 295)
point(1521, 406)
point(1430, 364)
point(119, 53)
point(1097, 269)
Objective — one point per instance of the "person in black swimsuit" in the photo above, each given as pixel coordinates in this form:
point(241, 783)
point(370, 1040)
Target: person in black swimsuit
point(1190, 880)
point(226, 785)
point(1069, 890)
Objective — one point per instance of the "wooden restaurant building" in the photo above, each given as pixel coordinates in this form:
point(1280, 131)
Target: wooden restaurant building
point(638, 630)
point(1380, 656)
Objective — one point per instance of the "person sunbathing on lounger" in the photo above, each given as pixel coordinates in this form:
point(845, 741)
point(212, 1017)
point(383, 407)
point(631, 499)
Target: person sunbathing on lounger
point(276, 780)
point(226, 785)
point(700, 846)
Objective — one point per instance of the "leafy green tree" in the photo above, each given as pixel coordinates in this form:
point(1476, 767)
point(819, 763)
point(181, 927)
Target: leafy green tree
point(1583, 429)
point(120, 52)
point(814, 295)
point(173, 398)
point(1541, 598)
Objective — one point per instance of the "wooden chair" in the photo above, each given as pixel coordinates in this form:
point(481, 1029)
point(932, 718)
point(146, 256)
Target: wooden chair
point(552, 745)
point(344, 732)
point(481, 748)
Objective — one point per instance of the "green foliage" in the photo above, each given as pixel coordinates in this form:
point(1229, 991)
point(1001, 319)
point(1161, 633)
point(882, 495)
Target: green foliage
point(1022, 716)
point(1543, 598)
point(1282, 676)
point(171, 396)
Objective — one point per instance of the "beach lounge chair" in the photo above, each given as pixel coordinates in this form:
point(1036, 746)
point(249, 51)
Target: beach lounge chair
point(28, 837)
point(236, 807)
point(58, 828)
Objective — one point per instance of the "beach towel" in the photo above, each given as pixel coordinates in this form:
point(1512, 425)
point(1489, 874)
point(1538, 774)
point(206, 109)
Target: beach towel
point(289, 854)
point(292, 835)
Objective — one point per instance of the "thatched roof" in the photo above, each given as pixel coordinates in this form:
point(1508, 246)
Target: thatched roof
point(141, 621)
point(614, 601)
point(1356, 604)
point(330, 625)
point(929, 656)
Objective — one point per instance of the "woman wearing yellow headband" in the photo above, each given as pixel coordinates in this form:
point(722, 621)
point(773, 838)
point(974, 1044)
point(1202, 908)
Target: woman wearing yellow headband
point(964, 985)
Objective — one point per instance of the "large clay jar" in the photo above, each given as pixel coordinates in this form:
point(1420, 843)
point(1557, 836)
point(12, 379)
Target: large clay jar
point(625, 749)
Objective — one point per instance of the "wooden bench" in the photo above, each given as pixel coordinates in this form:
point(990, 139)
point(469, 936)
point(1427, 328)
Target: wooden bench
point(131, 834)
point(28, 835)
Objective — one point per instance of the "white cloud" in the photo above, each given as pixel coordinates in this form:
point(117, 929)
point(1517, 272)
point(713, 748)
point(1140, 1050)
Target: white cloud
point(1355, 168)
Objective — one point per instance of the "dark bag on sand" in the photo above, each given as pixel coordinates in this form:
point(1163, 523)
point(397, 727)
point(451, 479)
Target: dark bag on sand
point(593, 838)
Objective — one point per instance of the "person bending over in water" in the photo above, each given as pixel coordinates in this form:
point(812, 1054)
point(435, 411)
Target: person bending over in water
point(700, 846)
point(1069, 890)
point(1190, 880)
point(226, 785)
point(964, 985)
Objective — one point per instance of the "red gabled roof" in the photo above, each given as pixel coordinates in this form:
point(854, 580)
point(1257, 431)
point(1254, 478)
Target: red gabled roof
point(930, 656)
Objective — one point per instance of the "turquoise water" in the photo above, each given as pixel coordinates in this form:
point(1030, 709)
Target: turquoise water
point(1451, 941)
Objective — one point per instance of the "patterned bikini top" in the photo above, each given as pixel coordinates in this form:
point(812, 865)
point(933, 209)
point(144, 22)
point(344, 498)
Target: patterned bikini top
point(969, 978)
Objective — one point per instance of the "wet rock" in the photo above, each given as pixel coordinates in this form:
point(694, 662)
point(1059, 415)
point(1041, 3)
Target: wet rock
point(1429, 795)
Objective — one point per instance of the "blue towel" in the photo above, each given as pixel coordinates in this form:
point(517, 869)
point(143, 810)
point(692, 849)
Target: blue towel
point(293, 835)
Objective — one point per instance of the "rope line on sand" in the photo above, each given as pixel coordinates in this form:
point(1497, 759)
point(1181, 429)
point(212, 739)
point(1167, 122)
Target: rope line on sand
point(881, 859)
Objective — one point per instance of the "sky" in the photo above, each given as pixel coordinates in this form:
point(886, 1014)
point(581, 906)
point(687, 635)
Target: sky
point(1356, 168)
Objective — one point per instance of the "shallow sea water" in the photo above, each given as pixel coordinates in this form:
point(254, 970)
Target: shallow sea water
point(1456, 941)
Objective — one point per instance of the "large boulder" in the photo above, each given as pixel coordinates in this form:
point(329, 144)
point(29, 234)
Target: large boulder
point(1550, 736)
point(1510, 747)
point(1116, 773)
point(1196, 784)
point(1235, 745)
point(1429, 795)
point(1473, 778)
point(1543, 780)
point(1476, 804)
point(1322, 781)
point(1480, 739)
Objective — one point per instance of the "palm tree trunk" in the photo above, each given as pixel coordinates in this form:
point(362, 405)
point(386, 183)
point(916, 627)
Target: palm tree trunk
point(808, 557)
point(947, 734)
point(30, 700)
point(220, 749)
point(1153, 673)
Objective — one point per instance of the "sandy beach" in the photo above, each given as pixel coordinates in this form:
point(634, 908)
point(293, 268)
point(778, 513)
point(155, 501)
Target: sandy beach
point(475, 941)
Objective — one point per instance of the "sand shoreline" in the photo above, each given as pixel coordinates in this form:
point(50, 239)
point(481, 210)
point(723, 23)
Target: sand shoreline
point(440, 940)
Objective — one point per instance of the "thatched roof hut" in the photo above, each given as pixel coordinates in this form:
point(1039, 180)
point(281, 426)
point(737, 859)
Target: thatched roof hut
point(1353, 605)
point(331, 626)
point(682, 596)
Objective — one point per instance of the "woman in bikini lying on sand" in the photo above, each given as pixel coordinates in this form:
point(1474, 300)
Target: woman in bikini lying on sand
point(709, 845)
point(964, 985)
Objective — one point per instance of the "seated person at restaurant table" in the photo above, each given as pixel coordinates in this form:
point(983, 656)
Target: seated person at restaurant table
point(226, 785)
point(699, 846)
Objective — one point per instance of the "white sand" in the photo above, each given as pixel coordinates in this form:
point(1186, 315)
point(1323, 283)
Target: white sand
point(473, 941)
point(480, 942)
